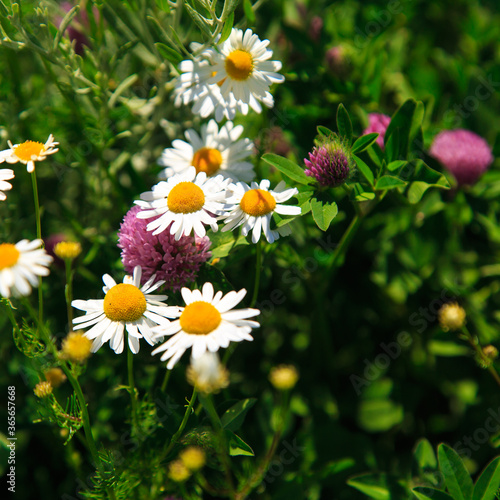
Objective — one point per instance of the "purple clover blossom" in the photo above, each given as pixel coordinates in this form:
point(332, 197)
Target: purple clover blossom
point(465, 154)
point(329, 164)
point(176, 262)
point(378, 123)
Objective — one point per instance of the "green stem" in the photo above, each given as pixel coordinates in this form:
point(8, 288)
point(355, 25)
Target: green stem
point(346, 240)
point(258, 476)
point(479, 352)
point(165, 380)
point(68, 292)
point(131, 383)
point(39, 236)
point(177, 435)
point(12, 319)
point(258, 267)
point(208, 404)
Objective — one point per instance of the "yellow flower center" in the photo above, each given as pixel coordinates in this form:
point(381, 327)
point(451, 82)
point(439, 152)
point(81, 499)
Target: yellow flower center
point(9, 255)
point(200, 318)
point(207, 160)
point(186, 198)
point(257, 202)
point(29, 150)
point(239, 65)
point(124, 302)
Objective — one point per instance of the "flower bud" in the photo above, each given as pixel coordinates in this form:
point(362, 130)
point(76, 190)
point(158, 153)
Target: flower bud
point(178, 472)
point(283, 377)
point(451, 317)
point(67, 250)
point(43, 389)
point(330, 163)
point(193, 458)
point(207, 374)
point(55, 377)
point(76, 347)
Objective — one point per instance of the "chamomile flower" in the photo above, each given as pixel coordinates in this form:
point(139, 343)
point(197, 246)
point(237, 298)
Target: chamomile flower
point(213, 152)
point(29, 152)
point(191, 87)
point(20, 266)
point(185, 202)
point(242, 67)
point(207, 323)
point(253, 206)
point(124, 307)
point(6, 174)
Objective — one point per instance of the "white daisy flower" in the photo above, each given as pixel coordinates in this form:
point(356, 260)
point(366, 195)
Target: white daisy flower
point(6, 174)
point(124, 307)
point(206, 323)
point(214, 152)
point(20, 266)
point(29, 152)
point(192, 86)
point(242, 67)
point(187, 201)
point(254, 206)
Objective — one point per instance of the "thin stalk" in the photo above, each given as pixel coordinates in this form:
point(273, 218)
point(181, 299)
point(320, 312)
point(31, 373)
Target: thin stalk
point(39, 236)
point(258, 267)
point(177, 435)
point(479, 352)
point(12, 319)
point(346, 240)
point(68, 291)
point(208, 404)
point(166, 378)
point(131, 383)
point(258, 476)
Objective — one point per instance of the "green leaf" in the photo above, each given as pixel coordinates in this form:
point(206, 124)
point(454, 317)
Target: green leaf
point(392, 146)
point(249, 13)
point(424, 178)
point(424, 493)
point(288, 168)
point(323, 213)
point(389, 182)
point(365, 170)
point(122, 87)
point(379, 415)
point(224, 242)
point(488, 482)
point(325, 132)
point(237, 446)
point(424, 455)
point(395, 165)
point(226, 30)
point(168, 53)
point(364, 142)
point(457, 479)
point(444, 348)
point(344, 124)
point(234, 417)
point(64, 25)
point(378, 486)
point(359, 193)
point(406, 123)
point(200, 21)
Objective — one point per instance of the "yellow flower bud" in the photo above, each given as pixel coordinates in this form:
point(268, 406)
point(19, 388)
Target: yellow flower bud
point(284, 377)
point(193, 458)
point(451, 317)
point(55, 377)
point(76, 347)
point(68, 250)
point(43, 389)
point(178, 472)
